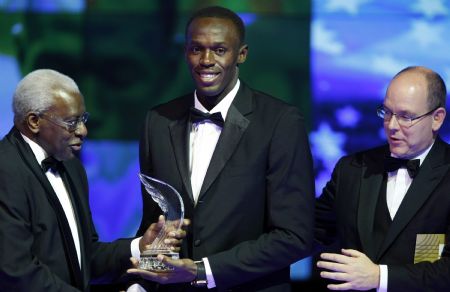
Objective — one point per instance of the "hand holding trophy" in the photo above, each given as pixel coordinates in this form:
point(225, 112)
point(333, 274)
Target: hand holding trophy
point(171, 203)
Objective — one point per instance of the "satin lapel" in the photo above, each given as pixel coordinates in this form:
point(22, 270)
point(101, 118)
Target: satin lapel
point(179, 133)
point(432, 170)
point(69, 247)
point(235, 125)
point(371, 180)
point(75, 189)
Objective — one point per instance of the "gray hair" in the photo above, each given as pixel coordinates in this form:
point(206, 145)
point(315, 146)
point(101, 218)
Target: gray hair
point(37, 90)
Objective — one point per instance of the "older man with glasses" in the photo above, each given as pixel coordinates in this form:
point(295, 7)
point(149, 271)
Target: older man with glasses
point(387, 209)
point(47, 238)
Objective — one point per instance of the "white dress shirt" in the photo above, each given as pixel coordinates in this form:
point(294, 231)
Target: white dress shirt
point(63, 196)
point(61, 192)
point(202, 143)
point(398, 184)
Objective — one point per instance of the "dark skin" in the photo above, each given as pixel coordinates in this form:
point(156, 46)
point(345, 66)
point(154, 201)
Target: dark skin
point(213, 51)
point(62, 144)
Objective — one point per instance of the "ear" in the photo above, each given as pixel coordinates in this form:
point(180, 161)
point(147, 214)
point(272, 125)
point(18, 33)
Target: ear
point(438, 118)
point(243, 51)
point(32, 121)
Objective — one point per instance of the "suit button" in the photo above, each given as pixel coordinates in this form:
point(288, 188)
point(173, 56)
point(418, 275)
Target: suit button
point(197, 242)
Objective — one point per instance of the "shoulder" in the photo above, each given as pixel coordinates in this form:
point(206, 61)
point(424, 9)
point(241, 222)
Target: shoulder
point(173, 109)
point(264, 106)
point(369, 157)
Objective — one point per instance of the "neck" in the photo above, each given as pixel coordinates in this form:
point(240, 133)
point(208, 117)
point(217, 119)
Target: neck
point(209, 102)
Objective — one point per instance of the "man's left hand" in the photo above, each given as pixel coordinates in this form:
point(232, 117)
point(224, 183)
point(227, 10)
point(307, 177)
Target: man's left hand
point(173, 239)
point(353, 268)
point(184, 270)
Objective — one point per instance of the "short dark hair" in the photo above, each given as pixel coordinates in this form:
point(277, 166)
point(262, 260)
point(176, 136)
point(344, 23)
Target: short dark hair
point(437, 92)
point(219, 12)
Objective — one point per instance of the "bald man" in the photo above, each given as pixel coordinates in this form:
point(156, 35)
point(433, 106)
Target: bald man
point(381, 202)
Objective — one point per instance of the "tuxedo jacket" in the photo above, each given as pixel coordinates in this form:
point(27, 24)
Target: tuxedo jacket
point(254, 215)
point(37, 252)
point(346, 212)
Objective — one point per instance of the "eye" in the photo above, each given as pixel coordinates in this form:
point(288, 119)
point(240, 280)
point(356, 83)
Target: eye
point(72, 123)
point(405, 118)
point(195, 50)
point(220, 51)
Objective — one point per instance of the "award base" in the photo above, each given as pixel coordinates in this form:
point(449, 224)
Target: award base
point(150, 262)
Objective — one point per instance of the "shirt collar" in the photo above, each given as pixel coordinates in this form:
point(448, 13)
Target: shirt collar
point(38, 151)
point(223, 106)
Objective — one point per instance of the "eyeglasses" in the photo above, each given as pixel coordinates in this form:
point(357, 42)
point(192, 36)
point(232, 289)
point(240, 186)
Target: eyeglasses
point(402, 120)
point(70, 125)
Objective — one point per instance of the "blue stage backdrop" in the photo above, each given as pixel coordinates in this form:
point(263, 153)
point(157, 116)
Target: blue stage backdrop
point(332, 58)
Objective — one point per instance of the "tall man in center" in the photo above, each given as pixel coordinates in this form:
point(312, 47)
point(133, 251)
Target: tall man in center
point(241, 160)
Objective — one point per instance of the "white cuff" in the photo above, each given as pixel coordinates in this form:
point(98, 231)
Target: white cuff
point(209, 275)
point(135, 251)
point(136, 288)
point(383, 278)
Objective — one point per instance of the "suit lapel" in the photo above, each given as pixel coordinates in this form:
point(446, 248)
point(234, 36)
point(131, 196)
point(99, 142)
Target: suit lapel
point(235, 125)
point(75, 189)
point(371, 180)
point(432, 170)
point(28, 157)
point(179, 133)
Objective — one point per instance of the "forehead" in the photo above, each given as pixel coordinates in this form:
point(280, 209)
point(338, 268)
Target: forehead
point(407, 92)
point(68, 103)
point(220, 29)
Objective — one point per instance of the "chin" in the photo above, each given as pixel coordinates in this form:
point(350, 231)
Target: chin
point(208, 92)
point(398, 152)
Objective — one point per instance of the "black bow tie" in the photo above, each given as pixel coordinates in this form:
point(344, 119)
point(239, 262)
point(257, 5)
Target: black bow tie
point(393, 164)
point(198, 116)
point(52, 164)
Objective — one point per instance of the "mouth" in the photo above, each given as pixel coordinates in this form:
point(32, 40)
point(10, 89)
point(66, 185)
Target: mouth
point(207, 77)
point(76, 147)
point(395, 140)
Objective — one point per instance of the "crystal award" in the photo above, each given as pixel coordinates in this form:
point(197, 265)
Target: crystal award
point(171, 203)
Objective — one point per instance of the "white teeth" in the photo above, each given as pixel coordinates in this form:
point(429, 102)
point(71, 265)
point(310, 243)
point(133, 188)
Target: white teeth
point(208, 76)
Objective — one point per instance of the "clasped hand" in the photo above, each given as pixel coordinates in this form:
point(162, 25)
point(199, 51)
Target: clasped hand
point(184, 270)
point(353, 268)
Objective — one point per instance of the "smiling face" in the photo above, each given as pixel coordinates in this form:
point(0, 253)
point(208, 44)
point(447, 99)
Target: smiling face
point(56, 140)
point(407, 95)
point(213, 51)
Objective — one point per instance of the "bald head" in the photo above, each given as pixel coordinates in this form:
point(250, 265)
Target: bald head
point(436, 91)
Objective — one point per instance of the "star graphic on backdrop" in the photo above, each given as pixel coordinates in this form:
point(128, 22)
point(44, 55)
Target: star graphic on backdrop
point(325, 40)
point(430, 8)
point(321, 180)
point(327, 144)
point(425, 33)
point(348, 116)
point(350, 6)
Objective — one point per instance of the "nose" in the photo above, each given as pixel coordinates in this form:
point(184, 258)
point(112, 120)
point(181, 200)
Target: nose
point(392, 123)
point(207, 58)
point(81, 129)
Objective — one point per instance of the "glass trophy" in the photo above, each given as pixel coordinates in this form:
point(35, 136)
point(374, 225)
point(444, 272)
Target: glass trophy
point(171, 203)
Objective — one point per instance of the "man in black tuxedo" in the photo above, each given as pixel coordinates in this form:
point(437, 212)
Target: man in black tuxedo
point(378, 208)
point(241, 161)
point(47, 238)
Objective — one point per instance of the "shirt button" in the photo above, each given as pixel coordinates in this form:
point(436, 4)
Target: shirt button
point(197, 242)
